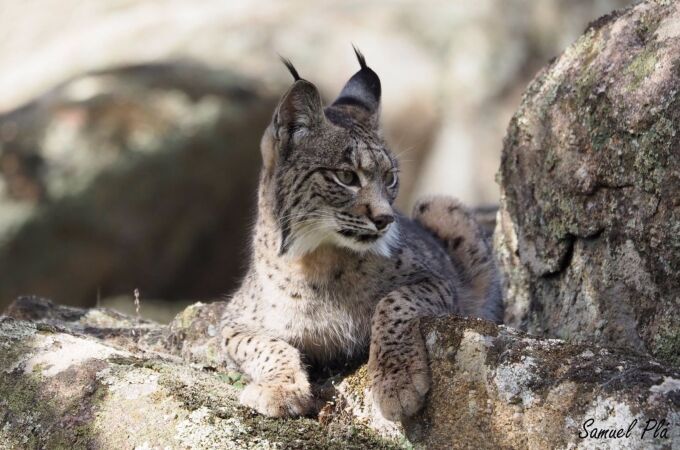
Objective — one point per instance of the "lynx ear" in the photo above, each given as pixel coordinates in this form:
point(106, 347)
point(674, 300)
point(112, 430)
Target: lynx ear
point(299, 111)
point(362, 92)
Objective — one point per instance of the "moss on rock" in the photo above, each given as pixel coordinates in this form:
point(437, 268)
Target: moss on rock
point(74, 387)
point(589, 221)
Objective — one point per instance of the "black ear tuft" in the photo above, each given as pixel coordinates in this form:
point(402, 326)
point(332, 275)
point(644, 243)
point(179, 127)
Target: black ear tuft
point(360, 57)
point(362, 92)
point(290, 67)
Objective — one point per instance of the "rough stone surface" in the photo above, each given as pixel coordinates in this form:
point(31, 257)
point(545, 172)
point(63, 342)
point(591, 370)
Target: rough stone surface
point(496, 387)
point(589, 229)
point(77, 378)
point(84, 379)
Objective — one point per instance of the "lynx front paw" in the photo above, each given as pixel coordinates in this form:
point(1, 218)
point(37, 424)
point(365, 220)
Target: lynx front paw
point(278, 399)
point(399, 385)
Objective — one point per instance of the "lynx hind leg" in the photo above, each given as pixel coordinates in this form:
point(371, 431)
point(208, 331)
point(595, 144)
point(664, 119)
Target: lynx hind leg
point(470, 251)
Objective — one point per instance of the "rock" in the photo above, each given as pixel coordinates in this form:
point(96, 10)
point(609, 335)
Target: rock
point(499, 388)
point(589, 229)
point(102, 379)
point(130, 178)
point(82, 381)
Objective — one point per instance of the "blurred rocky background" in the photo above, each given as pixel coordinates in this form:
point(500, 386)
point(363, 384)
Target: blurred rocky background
point(129, 130)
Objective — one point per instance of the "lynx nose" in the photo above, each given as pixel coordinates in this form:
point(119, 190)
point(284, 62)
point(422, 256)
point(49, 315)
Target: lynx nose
point(382, 221)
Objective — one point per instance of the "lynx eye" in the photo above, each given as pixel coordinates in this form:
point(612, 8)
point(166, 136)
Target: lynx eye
point(390, 179)
point(347, 178)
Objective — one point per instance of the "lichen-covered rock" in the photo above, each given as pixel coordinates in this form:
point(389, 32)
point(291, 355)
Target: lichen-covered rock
point(589, 230)
point(67, 381)
point(194, 333)
point(495, 387)
point(103, 379)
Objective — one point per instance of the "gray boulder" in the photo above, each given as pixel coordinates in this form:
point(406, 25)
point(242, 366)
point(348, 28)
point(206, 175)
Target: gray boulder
point(589, 229)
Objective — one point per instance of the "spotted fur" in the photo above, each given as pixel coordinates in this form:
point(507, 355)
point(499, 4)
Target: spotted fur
point(335, 270)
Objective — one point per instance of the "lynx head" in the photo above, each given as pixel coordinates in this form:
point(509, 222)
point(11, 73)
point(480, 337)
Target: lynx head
point(331, 176)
